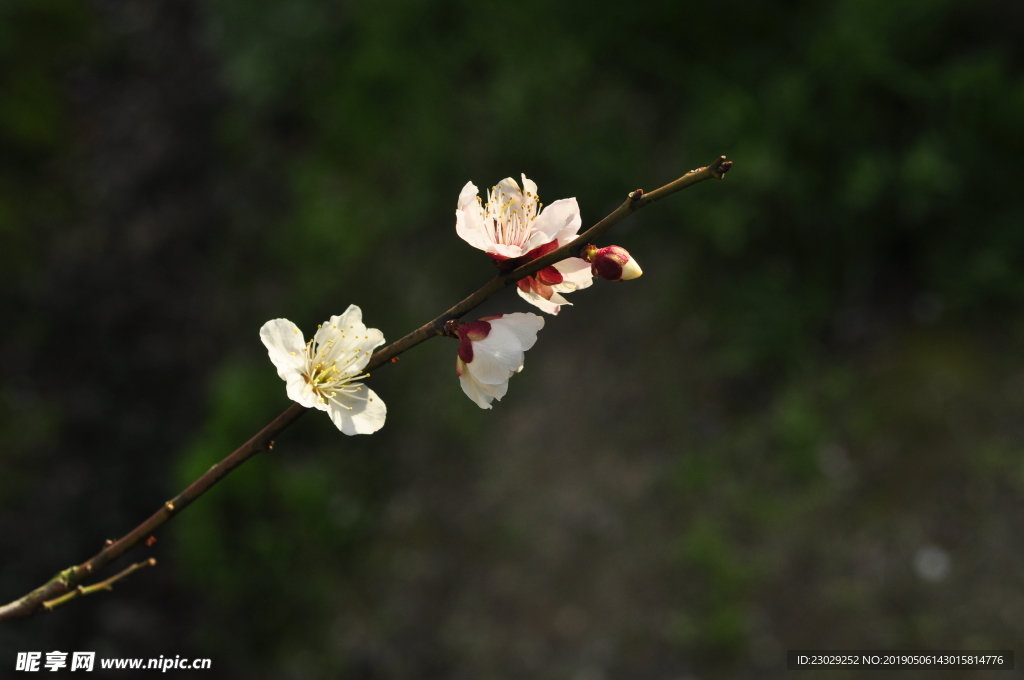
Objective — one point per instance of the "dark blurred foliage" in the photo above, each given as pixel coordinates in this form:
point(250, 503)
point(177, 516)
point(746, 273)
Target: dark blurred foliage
point(800, 428)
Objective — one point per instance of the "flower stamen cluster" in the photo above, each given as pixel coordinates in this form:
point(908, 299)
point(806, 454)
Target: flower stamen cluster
point(509, 218)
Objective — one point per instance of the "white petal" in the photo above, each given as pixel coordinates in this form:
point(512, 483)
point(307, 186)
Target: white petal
point(469, 222)
point(505, 250)
point(468, 196)
point(562, 216)
point(299, 391)
point(551, 306)
point(353, 316)
point(353, 342)
point(507, 190)
point(497, 356)
point(559, 300)
point(575, 275)
point(529, 187)
point(631, 270)
point(329, 339)
point(521, 324)
point(286, 347)
point(366, 416)
point(537, 239)
point(568, 234)
point(480, 393)
point(469, 225)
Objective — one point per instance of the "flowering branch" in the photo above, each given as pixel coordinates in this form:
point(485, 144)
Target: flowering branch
point(636, 200)
point(65, 586)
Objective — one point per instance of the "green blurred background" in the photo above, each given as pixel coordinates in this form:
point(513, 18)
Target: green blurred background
point(803, 427)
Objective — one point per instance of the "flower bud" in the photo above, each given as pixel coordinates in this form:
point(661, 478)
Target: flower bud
point(611, 263)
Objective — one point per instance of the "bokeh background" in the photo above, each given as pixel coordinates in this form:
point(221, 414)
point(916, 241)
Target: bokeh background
point(802, 427)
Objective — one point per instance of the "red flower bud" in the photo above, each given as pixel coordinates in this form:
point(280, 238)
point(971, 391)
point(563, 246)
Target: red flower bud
point(611, 263)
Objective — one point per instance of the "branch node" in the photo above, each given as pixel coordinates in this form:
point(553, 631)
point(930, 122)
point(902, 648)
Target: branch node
point(636, 195)
point(451, 328)
point(720, 167)
point(169, 505)
point(107, 543)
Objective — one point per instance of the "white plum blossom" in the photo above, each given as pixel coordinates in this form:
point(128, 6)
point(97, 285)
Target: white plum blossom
point(322, 372)
point(491, 351)
point(512, 229)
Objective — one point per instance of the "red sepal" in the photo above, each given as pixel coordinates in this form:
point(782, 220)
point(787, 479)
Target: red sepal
point(549, 276)
point(468, 333)
point(507, 264)
point(465, 351)
point(607, 268)
point(542, 250)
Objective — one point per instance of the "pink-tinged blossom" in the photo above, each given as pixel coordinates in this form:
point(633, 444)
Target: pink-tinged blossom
point(322, 372)
point(612, 263)
point(512, 229)
point(491, 351)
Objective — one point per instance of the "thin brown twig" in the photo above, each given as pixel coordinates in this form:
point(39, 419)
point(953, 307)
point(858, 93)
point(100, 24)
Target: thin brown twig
point(65, 585)
point(108, 584)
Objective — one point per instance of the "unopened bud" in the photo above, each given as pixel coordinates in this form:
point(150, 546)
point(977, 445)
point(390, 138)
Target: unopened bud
point(611, 263)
